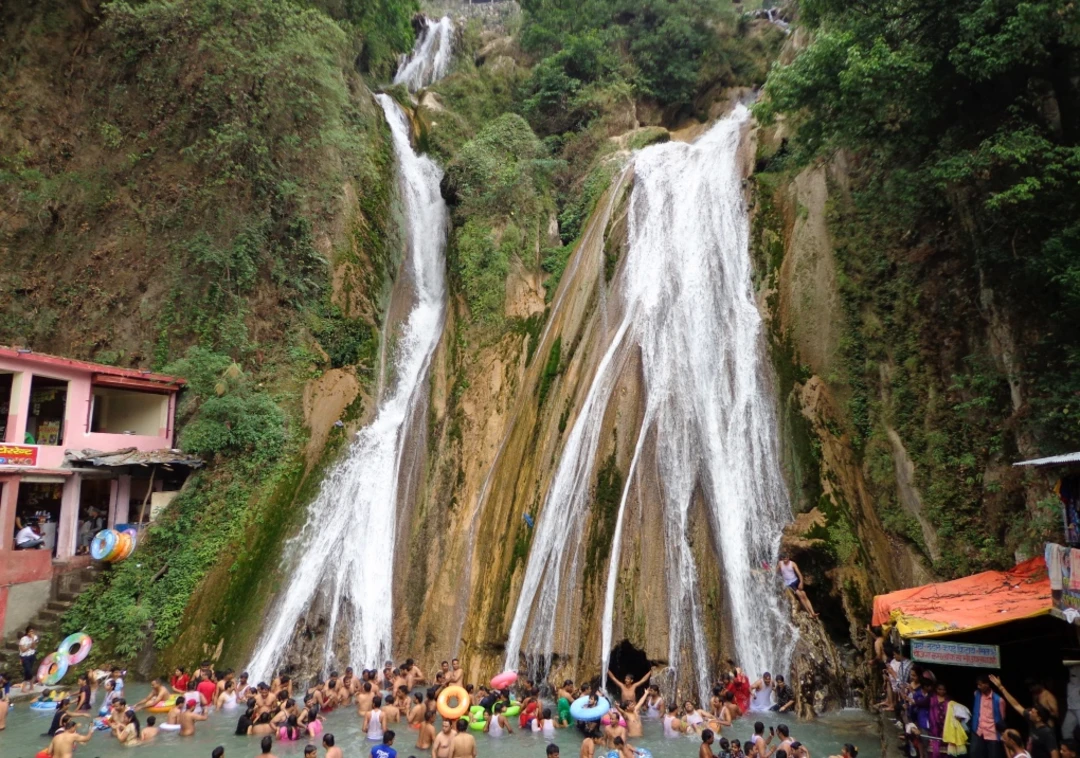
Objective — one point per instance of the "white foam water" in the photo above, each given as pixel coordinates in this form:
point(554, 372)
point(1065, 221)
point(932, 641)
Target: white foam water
point(430, 58)
point(345, 552)
point(685, 297)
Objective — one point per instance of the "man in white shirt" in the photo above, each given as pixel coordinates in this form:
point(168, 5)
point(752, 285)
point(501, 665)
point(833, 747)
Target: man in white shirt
point(29, 538)
point(28, 657)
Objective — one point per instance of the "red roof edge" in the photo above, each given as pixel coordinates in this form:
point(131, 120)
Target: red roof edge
point(25, 354)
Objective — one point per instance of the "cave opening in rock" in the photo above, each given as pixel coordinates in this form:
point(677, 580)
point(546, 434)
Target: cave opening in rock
point(628, 660)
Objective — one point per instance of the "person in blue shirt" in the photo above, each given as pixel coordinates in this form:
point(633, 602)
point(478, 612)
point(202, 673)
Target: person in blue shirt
point(386, 749)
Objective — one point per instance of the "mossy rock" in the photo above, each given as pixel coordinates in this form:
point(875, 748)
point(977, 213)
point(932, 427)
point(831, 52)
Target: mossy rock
point(650, 135)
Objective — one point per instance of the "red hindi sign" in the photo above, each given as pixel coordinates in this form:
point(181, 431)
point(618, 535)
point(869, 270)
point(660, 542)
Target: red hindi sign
point(18, 455)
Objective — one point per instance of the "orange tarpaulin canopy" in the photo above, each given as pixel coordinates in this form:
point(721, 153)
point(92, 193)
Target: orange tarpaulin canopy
point(972, 602)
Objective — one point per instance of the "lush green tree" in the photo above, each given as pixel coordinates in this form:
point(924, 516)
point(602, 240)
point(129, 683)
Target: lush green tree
point(971, 112)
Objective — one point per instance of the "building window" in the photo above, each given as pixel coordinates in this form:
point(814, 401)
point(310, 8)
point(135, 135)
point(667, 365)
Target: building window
point(48, 409)
point(6, 383)
point(39, 503)
point(117, 411)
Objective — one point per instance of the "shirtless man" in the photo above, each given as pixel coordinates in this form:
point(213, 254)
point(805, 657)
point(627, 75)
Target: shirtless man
point(444, 740)
point(705, 751)
point(463, 745)
point(150, 731)
point(264, 699)
point(64, 742)
point(631, 713)
point(588, 744)
point(332, 751)
point(187, 722)
point(159, 693)
point(391, 713)
point(426, 736)
point(614, 730)
point(417, 711)
point(173, 716)
point(628, 686)
point(363, 700)
point(456, 675)
point(729, 711)
point(785, 739)
point(230, 677)
point(399, 680)
point(413, 674)
point(267, 745)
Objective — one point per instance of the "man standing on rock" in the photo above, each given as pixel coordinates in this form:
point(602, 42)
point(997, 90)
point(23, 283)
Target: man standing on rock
point(793, 580)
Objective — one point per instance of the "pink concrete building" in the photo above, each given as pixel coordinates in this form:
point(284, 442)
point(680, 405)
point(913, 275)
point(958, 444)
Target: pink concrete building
point(82, 446)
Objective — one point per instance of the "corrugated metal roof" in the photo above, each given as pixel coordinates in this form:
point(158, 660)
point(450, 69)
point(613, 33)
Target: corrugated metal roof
point(130, 456)
point(1053, 460)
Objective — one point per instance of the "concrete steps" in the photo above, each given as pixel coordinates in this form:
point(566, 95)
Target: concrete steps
point(65, 589)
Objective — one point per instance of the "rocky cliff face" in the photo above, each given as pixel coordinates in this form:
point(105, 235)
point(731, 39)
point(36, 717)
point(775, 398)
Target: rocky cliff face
point(863, 402)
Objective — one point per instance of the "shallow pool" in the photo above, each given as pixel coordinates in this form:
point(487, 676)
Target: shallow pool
point(25, 728)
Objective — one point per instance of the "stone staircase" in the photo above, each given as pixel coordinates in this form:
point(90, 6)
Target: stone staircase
point(63, 591)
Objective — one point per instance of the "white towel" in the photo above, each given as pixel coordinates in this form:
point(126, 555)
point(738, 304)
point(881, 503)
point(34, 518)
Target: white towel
point(1053, 565)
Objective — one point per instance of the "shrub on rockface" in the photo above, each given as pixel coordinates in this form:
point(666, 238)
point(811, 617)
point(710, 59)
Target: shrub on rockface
point(960, 122)
point(498, 186)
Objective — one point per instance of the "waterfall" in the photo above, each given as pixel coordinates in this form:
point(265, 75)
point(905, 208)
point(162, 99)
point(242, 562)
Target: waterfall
point(345, 552)
point(430, 57)
point(687, 312)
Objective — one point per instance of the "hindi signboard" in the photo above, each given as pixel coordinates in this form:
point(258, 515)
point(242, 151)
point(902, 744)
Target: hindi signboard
point(956, 654)
point(18, 455)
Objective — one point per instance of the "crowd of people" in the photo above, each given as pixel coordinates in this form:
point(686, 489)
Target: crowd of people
point(935, 724)
point(400, 699)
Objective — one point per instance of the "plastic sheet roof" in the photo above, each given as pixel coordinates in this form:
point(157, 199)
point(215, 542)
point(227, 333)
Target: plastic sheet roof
point(131, 456)
point(971, 602)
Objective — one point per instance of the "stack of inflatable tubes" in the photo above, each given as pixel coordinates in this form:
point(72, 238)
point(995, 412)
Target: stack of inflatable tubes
point(113, 546)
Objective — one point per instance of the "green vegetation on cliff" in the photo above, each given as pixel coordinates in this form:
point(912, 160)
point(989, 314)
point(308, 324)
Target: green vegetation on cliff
point(957, 239)
point(205, 187)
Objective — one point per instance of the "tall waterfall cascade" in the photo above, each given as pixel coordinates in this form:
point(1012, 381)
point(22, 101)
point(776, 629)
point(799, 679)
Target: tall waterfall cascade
point(430, 59)
point(684, 309)
point(358, 500)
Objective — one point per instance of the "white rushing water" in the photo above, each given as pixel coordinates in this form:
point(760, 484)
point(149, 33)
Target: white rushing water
point(685, 298)
point(430, 57)
point(346, 550)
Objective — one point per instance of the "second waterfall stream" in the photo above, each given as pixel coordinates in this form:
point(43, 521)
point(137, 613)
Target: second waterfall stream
point(683, 309)
point(358, 501)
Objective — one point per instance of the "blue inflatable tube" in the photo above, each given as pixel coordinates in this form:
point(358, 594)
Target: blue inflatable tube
point(43, 705)
point(581, 711)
